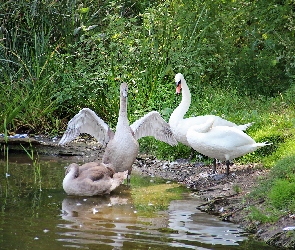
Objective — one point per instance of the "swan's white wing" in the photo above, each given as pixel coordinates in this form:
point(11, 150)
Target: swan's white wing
point(86, 121)
point(152, 124)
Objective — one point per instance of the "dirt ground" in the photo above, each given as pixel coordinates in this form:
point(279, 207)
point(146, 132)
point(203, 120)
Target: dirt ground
point(223, 196)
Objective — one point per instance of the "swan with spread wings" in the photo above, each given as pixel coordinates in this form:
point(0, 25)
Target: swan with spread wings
point(121, 146)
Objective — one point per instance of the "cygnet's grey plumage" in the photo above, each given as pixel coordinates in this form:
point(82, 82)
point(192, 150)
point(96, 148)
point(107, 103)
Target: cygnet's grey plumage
point(91, 179)
point(121, 147)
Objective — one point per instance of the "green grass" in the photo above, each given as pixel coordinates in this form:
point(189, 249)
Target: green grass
point(281, 195)
point(277, 189)
point(262, 215)
point(237, 189)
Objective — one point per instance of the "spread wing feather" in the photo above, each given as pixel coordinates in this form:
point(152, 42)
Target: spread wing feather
point(152, 124)
point(87, 121)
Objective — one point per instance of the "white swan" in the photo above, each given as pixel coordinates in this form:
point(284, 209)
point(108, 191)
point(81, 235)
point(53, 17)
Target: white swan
point(91, 179)
point(221, 142)
point(121, 147)
point(179, 125)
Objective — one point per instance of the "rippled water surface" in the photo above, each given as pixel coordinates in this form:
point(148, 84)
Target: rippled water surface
point(49, 219)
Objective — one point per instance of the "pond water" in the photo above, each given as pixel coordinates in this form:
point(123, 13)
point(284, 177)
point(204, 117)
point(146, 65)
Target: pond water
point(35, 213)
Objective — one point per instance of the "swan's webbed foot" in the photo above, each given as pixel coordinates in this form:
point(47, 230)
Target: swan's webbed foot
point(182, 161)
point(220, 176)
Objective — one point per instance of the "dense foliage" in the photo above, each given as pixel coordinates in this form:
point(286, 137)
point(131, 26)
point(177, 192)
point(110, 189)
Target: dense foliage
point(60, 56)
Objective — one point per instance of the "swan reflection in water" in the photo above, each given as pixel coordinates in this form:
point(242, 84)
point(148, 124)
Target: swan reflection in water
point(103, 220)
point(114, 221)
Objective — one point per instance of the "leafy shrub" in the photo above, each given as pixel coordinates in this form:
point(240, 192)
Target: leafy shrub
point(284, 169)
point(257, 214)
point(278, 187)
point(85, 50)
point(282, 193)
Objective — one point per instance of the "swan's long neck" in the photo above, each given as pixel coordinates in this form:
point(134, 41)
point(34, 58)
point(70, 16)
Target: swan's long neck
point(123, 117)
point(72, 174)
point(184, 105)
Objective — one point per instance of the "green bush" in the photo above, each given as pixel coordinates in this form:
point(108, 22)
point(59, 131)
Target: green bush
point(278, 187)
point(77, 54)
point(262, 216)
point(282, 193)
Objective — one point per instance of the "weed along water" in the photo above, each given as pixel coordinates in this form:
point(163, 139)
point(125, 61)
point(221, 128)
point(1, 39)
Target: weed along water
point(150, 214)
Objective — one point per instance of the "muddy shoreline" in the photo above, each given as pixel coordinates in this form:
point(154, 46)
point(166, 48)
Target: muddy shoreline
point(225, 197)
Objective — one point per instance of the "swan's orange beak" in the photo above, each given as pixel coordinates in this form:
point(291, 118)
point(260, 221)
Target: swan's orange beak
point(178, 88)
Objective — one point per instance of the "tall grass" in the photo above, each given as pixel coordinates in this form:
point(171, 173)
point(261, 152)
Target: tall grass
point(36, 165)
point(6, 148)
point(58, 57)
